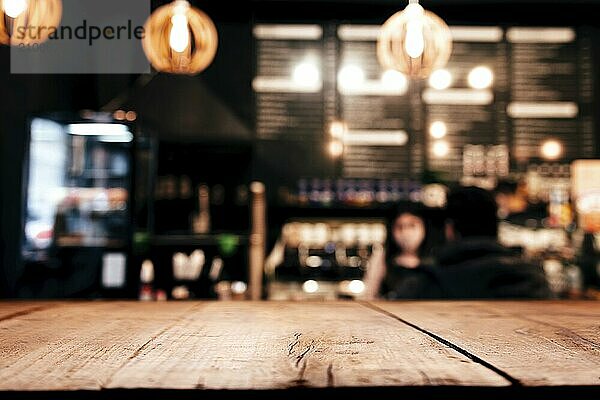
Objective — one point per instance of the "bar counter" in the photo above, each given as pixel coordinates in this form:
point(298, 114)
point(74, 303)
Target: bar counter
point(443, 349)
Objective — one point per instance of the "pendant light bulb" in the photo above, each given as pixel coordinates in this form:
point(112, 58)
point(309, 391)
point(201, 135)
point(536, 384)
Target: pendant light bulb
point(179, 38)
point(14, 8)
point(415, 42)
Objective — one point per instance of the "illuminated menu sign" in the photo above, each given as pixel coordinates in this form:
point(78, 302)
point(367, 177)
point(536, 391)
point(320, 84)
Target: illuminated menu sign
point(289, 81)
point(505, 95)
point(551, 92)
point(465, 102)
point(380, 107)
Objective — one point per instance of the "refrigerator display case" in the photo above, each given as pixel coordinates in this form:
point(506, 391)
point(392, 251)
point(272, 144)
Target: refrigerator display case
point(77, 222)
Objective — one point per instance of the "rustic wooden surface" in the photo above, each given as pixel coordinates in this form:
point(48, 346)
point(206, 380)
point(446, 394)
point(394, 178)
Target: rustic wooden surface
point(550, 343)
point(53, 346)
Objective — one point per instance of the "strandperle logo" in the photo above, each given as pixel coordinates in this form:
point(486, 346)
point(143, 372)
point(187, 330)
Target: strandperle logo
point(84, 31)
point(92, 37)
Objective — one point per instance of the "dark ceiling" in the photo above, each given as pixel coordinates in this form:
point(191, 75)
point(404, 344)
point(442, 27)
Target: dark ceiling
point(577, 12)
point(426, 2)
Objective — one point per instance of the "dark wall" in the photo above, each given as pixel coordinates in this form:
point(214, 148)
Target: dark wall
point(228, 78)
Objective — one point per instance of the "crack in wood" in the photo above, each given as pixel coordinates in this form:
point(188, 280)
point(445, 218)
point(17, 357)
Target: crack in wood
point(294, 343)
point(513, 381)
point(139, 350)
point(308, 348)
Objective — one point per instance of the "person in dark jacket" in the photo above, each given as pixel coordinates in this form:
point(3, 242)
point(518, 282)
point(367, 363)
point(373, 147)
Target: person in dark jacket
point(473, 265)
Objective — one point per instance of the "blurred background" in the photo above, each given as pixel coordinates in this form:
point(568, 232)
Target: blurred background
point(273, 172)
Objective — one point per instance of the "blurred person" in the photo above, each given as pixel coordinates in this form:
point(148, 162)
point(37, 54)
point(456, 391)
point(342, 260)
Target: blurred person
point(588, 259)
point(400, 270)
point(473, 264)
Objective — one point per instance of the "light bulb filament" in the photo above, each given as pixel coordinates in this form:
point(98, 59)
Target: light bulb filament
point(415, 42)
point(179, 39)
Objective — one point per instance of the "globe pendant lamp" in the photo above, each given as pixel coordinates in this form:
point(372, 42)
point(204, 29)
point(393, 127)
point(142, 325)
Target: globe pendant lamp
point(180, 39)
point(28, 22)
point(414, 41)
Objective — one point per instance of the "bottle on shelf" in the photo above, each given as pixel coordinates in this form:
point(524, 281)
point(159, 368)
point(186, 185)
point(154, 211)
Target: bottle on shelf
point(201, 222)
point(147, 281)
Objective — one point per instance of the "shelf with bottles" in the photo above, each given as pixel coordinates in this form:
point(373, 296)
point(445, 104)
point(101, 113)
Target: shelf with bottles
point(194, 270)
point(186, 206)
point(348, 193)
point(206, 251)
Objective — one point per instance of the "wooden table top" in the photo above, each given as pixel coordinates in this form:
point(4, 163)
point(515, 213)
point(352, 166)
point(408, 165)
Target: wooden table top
point(425, 349)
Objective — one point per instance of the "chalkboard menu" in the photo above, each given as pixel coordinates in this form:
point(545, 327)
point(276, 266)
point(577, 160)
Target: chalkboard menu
point(289, 81)
point(472, 111)
point(551, 91)
point(504, 93)
point(380, 106)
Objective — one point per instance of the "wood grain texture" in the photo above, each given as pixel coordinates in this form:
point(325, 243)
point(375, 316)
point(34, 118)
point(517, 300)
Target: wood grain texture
point(10, 310)
point(279, 345)
point(224, 345)
point(78, 345)
point(536, 343)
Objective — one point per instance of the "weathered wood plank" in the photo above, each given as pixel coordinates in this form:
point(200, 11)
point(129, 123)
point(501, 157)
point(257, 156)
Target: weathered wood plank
point(273, 345)
point(78, 345)
point(13, 309)
point(580, 320)
point(538, 343)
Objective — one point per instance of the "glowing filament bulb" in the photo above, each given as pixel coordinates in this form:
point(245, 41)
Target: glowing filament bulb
point(179, 40)
point(415, 42)
point(14, 8)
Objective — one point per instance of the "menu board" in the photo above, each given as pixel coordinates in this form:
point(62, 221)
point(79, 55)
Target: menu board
point(551, 91)
point(503, 94)
point(378, 106)
point(472, 105)
point(289, 81)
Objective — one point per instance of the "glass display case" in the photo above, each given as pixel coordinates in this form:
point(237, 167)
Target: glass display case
point(77, 215)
